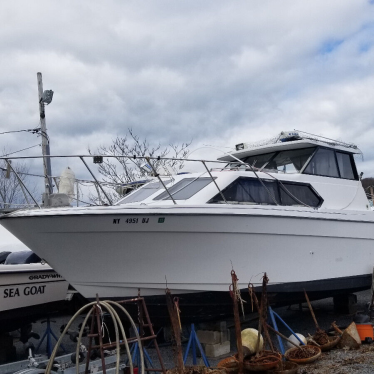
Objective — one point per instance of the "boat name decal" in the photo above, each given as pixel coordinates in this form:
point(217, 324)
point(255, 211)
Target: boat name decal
point(27, 291)
point(44, 276)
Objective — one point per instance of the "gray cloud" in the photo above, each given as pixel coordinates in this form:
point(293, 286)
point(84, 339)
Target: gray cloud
point(216, 72)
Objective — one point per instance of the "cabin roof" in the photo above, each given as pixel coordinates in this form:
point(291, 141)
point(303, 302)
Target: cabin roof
point(283, 146)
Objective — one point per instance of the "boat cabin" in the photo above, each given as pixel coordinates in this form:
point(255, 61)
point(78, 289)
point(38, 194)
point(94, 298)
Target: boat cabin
point(292, 171)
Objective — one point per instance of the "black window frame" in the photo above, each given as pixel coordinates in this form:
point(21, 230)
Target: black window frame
point(279, 187)
point(353, 164)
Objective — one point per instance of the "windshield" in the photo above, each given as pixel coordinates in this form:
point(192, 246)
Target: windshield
point(291, 161)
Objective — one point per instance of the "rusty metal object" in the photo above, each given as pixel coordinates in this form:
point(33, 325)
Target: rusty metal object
point(311, 340)
point(307, 353)
point(147, 324)
point(266, 360)
point(176, 332)
point(261, 315)
point(311, 311)
point(264, 310)
point(238, 331)
point(144, 322)
point(336, 328)
point(333, 342)
point(230, 364)
point(282, 336)
point(320, 336)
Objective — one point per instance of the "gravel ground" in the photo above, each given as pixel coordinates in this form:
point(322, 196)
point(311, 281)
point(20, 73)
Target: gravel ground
point(336, 361)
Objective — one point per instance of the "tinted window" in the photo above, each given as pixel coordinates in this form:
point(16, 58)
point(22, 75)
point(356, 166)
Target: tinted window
point(298, 194)
point(252, 191)
point(345, 165)
point(258, 161)
point(184, 189)
point(323, 163)
point(249, 190)
point(143, 192)
point(291, 161)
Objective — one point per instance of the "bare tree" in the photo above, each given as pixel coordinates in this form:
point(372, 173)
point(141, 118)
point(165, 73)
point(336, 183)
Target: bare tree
point(122, 170)
point(12, 193)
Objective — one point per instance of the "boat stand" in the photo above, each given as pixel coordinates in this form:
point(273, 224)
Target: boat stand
point(192, 342)
point(136, 357)
point(274, 322)
point(48, 333)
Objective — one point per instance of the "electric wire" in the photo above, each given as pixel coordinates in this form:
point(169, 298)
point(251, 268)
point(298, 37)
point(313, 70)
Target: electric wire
point(33, 131)
point(24, 149)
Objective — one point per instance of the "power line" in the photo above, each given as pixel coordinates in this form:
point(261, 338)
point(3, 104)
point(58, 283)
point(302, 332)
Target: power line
point(33, 131)
point(24, 149)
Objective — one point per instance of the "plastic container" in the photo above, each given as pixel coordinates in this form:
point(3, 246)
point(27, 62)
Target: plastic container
point(365, 331)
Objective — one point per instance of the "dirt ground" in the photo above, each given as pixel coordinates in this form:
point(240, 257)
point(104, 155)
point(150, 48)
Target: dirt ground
point(341, 361)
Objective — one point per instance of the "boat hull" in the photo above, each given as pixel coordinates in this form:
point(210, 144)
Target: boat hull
point(192, 251)
point(29, 292)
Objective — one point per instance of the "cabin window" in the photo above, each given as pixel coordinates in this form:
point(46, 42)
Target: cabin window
point(143, 192)
point(248, 190)
point(251, 191)
point(290, 161)
point(258, 161)
point(345, 165)
point(184, 189)
point(323, 163)
point(298, 194)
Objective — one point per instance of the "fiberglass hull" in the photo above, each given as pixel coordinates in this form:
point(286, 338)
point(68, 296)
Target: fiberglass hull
point(115, 252)
point(29, 292)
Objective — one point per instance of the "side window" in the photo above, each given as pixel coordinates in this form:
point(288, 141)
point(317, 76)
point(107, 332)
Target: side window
point(345, 165)
point(323, 163)
point(297, 194)
point(252, 191)
point(184, 189)
point(142, 193)
point(247, 191)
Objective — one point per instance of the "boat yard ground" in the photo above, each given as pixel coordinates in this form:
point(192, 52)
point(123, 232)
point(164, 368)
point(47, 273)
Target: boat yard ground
point(336, 361)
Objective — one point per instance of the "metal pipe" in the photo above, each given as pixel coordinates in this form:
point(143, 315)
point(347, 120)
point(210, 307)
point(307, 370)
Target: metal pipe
point(93, 176)
point(20, 180)
point(238, 332)
point(159, 178)
point(119, 156)
point(219, 190)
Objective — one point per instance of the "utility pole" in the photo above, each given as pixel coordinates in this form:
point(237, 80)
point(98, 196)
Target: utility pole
point(45, 143)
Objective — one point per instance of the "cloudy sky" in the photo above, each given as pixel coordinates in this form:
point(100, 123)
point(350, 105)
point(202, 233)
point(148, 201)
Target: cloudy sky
point(215, 72)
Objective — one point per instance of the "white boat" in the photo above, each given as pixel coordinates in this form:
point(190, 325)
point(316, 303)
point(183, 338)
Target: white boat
point(294, 208)
point(28, 290)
